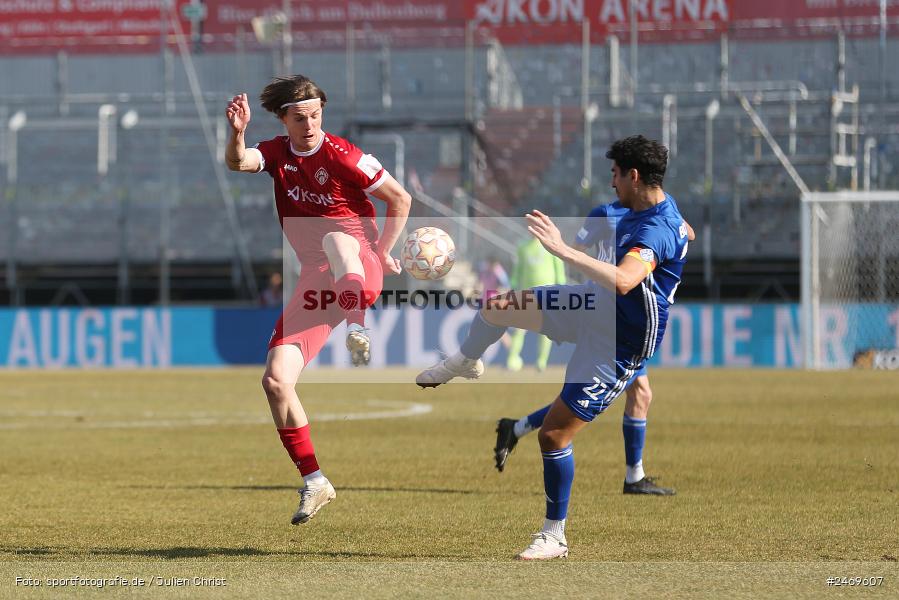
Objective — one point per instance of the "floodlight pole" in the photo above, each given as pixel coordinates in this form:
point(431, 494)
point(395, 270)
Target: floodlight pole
point(384, 68)
point(711, 112)
point(15, 123)
point(128, 121)
point(614, 71)
point(62, 82)
point(883, 70)
point(669, 124)
point(870, 145)
point(589, 116)
point(11, 168)
point(165, 199)
point(588, 110)
point(557, 126)
point(841, 61)
point(468, 139)
point(399, 145)
point(106, 138)
point(632, 9)
point(286, 41)
point(585, 65)
point(724, 66)
point(469, 92)
point(351, 71)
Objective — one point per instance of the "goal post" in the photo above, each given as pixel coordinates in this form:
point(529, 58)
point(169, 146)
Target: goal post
point(850, 277)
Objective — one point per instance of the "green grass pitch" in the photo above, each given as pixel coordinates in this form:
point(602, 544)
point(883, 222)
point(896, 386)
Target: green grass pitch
point(784, 479)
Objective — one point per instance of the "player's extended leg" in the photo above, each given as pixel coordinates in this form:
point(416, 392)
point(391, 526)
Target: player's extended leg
point(514, 309)
point(513, 361)
point(636, 409)
point(342, 251)
point(555, 437)
point(282, 369)
point(633, 426)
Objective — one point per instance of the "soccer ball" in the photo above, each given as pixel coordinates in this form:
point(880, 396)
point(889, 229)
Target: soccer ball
point(428, 253)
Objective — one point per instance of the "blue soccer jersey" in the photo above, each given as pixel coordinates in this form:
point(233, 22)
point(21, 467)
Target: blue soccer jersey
point(609, 352)
point(599, 230)
point(657, 237)
point(599, 222)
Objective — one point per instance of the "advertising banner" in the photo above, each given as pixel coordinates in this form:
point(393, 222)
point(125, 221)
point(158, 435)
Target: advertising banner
point(559, 21)
point(134, 25)
point(699, 335)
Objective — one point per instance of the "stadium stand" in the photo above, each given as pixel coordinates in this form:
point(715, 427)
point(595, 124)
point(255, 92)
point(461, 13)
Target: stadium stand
point(750, 206)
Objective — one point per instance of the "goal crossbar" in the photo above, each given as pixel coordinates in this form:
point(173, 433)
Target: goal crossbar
point(848, 196)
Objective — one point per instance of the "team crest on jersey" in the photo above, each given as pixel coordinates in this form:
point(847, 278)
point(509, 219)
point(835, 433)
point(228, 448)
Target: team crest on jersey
point(321, 176)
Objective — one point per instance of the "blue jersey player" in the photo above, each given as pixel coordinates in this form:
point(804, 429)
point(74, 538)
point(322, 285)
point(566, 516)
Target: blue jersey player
point(650, 250)
point(597, 232)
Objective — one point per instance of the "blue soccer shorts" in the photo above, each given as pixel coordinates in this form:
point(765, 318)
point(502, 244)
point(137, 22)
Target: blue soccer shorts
point(601, 367)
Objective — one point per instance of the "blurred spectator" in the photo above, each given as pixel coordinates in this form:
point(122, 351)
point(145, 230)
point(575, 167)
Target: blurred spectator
point(272, 295)
point(534, 267)
point(494, 281)
point(493, 277)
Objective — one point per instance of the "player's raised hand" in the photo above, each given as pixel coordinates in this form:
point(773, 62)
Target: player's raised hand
point(238, 112)
point(390, 264)
point(542, 228)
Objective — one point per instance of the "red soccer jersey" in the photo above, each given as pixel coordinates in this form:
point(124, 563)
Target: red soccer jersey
point(326, 186)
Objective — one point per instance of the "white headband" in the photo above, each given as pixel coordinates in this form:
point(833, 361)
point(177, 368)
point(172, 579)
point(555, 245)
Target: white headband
point(301, 102)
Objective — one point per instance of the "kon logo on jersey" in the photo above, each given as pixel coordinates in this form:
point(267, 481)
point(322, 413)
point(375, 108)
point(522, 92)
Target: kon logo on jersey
point(296, 194)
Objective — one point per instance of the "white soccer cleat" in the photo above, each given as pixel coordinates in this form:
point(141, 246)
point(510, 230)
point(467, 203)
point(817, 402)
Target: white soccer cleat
point(457, 365)
point(312, 499)
point(359, 344)
point(544, 546)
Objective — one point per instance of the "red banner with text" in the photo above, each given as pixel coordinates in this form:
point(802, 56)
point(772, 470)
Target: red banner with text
point(134, 25)
point(557, 21)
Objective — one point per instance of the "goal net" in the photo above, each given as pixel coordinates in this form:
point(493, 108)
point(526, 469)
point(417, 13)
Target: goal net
point(850, 277)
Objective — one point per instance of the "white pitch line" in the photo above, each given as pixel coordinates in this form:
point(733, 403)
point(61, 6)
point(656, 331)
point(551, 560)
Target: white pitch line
point(399, 410)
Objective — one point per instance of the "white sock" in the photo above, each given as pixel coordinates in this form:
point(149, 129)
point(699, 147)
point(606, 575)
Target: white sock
point(633, 474)
point(315, 478)
point(556, 528)
point(522, 427)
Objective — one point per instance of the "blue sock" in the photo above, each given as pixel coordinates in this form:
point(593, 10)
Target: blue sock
point(558, 473)
point(535, 419)
point(480, 336)
point(634, 439)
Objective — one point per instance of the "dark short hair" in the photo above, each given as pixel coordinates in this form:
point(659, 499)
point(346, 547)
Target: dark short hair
point(282, 90)
point(649, 157)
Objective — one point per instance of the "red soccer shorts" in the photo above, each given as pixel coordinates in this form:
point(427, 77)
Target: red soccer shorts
point(315, 310)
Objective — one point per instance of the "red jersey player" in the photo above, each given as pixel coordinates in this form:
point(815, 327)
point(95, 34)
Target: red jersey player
point(320, 182)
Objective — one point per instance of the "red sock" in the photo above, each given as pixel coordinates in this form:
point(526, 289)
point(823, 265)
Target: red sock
point(298, 444)
point(350, 297)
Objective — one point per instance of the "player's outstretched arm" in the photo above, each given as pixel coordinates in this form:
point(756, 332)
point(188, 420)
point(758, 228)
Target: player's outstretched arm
point(621, 278)
point(237, 157)
point(398, 204)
